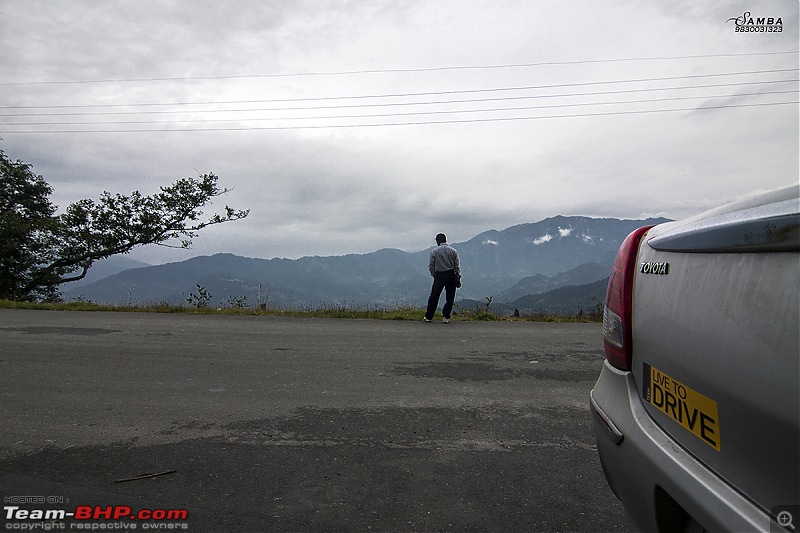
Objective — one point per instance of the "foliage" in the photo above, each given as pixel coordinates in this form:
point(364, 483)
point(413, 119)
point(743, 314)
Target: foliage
point(236, 302)
point(27, 229)
point(199, 300)
point(39, 250)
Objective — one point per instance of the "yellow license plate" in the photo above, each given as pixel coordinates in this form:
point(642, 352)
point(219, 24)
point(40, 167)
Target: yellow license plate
point(689, 408)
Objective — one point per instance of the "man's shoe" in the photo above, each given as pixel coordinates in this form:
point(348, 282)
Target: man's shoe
point(445, 321)
point(426, 319)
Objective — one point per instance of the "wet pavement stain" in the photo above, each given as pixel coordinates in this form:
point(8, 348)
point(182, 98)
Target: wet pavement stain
point(457, 371)
point(54, 330)
point(499, 428)
point(485, 372)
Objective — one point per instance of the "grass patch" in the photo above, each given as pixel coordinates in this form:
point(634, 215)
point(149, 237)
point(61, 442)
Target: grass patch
point(342, 312)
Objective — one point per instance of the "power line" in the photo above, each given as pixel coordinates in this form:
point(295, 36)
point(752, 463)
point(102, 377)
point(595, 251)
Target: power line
point(399, 70)
point(440, 93)
point(417, 123)
point(415, 113)
point(432, 93)
point(399, 104)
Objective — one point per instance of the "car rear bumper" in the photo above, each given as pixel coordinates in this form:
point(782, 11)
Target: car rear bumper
point(661, 486)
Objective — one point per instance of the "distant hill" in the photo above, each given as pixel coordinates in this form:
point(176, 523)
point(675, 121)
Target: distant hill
point(383, 278)
point(538, 284)
point(496, 260)
point(507, 264)
point(104, 268)
point(567, 300)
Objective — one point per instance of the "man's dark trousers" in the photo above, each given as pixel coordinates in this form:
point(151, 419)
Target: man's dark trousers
point(442, 280)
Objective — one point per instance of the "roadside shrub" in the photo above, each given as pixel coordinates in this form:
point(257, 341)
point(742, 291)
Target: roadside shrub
point(199, 300)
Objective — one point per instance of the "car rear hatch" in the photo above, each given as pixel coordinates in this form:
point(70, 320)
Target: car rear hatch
point(715, 341)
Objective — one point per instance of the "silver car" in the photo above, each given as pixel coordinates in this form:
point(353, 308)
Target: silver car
point(697, 409)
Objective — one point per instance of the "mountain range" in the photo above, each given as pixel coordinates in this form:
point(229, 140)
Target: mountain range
point(506, 265)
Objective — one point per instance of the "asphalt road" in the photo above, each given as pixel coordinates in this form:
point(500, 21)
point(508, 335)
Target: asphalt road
point(281, 424)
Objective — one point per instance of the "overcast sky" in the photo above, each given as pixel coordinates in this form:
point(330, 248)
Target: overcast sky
point(351, 126)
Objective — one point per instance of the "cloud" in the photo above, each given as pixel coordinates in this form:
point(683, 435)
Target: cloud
point(543, 239)
point(564, 232)
point(324, 190)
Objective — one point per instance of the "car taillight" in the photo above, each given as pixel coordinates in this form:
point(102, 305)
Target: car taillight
point(619, 301)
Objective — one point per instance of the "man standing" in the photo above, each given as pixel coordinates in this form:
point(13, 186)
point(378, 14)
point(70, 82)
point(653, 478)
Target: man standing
point(446, 271)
